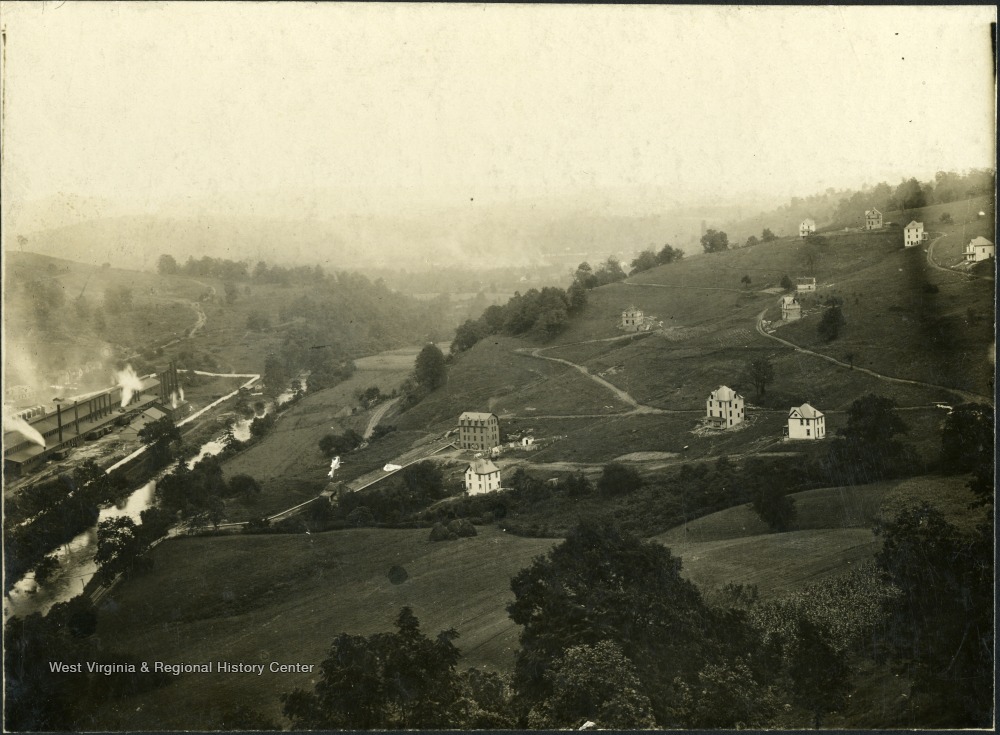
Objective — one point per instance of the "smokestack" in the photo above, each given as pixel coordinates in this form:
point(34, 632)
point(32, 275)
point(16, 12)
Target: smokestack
point(59, 420)
point(76, 417)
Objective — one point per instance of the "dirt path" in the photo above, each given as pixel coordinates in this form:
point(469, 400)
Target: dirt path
point(934, 264)
point(965, 395)
point(691, 288)
point(377, 416)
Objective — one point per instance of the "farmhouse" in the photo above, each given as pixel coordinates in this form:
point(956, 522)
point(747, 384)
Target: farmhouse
point(807, 227)
point(805, 285)
point(478, 430)
point(873, 219)
point(913, 234)
point(805, 422)
point(979, 249)
point(482, 476)
point(632, 319)
point(725, 407)
point(791, 310)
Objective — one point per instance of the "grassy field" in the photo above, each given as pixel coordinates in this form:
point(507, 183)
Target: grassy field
point(284, 598)
point(831, 533)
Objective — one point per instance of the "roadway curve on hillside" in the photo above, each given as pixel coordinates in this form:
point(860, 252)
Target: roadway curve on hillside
point(377, 416)
point(965, 395)
point(691, 288)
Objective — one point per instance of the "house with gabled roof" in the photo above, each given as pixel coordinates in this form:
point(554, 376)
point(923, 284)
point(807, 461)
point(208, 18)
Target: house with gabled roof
point(979, 249)
point(805, 422)
point(806, 284)
point(725, 407)
point(482, 476)
point(632, 319)
point(913, 234)
point(873, 219)
point(807, 227)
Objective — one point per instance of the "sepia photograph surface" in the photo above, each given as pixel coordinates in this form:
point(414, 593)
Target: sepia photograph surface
point(497, 367)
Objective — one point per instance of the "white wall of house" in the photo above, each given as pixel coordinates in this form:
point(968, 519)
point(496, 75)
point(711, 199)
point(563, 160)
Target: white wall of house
point(477, 484)
point(913, 234)
point(729, 412)
point(801, 427)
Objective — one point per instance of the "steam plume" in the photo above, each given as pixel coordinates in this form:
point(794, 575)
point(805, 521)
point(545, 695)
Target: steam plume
point(129, 383)
point(334, 466)
point(16, 423)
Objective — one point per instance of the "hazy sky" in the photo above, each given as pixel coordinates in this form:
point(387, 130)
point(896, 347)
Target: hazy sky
point(149, 101)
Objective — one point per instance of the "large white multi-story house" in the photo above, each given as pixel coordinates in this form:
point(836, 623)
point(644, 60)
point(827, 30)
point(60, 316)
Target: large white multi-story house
point(913, 234)
point(807, 227)
point(979, 249)
point(482, 476)
point(805, 422)
point(632, 319)
point(725, 407)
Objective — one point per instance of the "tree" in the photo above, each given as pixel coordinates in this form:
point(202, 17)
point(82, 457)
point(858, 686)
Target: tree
point(585, 276)
point(232, 292)
point(751, 241)
point(118, 547)
point(831, 323)
point(767, 236)
point(167, 265)
point(644, 261)
point(728, 697)
point(431, 371)
point(601, 584)
point(158, 436)
point(714, 241)
point(610, 271)
point(383, 681)
point(745, 281)
point(761, 372)
point(873, 419)
point(967, 437)
point(597, 683)
point(946, 218)
point(244, 486)
point(786, 283)
point(424, 479)
point(669, 254)
point(819, 673)
point(773, 506)
point(617, 479)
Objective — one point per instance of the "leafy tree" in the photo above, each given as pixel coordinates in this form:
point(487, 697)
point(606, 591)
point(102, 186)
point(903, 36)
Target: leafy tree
point(610, 271)
point(119, 547)
point(585, 276)
point(669, 255)
point(767, 236)
point(430, 370)
point(786, 283)
point(644, 261)
point(244, 486)
point(751, 241)
point(601, 584)
point(943, 621)
point(486, 701)
point(159, 435)
point(332, 445)
point(576, 296)
point(761, 372)
point(873, 419)
point(819, 673)
point(831, 323)
point(46, 568)
point(946, 218)
point(728, 697)
point(167, 265)
point(714, 241)
point(617, 479)
point(746, 281)
point(423, 478)
point(967, 437)
point(597, 683)
point(774, 507)
point(910, 195)
point(383, 681)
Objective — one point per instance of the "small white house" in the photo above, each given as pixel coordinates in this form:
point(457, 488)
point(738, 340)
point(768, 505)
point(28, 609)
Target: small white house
point(805, 285)
point(527, 441)
point(791, 309)
point(482, 476)
point(805, 422)
point(979, 249)
point(873, 219)
point(632, 319)
point(913, 234)
point(807, 228)
point(725, 407)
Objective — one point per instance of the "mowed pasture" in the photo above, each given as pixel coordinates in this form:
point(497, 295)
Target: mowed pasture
point(285, 598)
point(831, 534)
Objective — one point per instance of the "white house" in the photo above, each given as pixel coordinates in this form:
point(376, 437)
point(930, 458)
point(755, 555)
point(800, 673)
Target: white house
point(805, 285)
point(979, 249)
point(791, 309)
point(913, 234)
point(805, 422)
point(725, 407)
point(632, 319)
point(807, 228)
point(527, 441)
point(873, 219)
point(482, 476)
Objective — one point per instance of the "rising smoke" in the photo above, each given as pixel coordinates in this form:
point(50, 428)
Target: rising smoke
point(334, 466)
point(129, 383)
point(15, 423)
